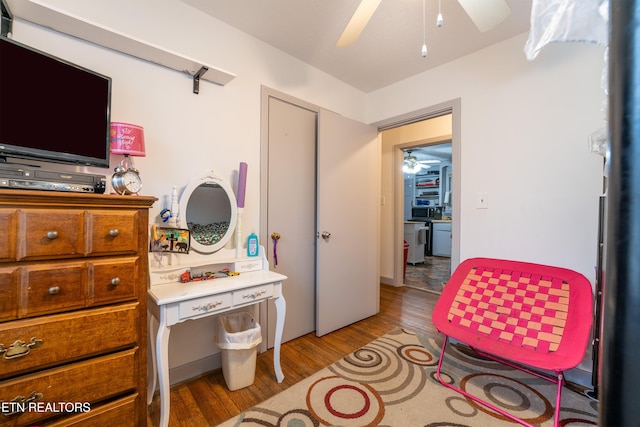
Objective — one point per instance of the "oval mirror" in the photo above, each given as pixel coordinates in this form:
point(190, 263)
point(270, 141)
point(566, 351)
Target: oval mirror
point(208, 208)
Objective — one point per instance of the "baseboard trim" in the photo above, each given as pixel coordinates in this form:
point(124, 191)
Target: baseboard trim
point(387, 281)
point(194, 369)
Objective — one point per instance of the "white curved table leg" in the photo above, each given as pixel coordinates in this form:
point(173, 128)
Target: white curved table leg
point(281, 309)
point(151, 383)
point(162, 349)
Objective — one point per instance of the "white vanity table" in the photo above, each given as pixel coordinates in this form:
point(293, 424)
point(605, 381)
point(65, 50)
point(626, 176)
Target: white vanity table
point(171, 302)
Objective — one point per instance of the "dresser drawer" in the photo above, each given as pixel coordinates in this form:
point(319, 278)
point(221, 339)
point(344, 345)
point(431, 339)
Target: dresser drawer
point(203, 305)
point(90, 381)
point(8, 221)
point(51, 288)
point(120, 413)
point(251, 295)
point(113, 280)
point(8, 293)
point(52, 233)
point(66, 337)
point(112, 232)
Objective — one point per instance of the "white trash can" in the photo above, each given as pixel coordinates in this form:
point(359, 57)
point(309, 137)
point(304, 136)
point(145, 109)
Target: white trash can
point(238, 338)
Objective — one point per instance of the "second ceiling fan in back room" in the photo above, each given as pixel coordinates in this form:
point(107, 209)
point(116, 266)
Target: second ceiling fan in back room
point(486, 14)
point(412, 165)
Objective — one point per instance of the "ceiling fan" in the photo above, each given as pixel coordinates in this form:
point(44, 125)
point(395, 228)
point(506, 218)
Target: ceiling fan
point(411, 163)
point(486, 14)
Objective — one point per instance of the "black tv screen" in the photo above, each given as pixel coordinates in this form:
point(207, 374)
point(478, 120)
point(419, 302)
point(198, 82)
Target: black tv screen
point(51, 109)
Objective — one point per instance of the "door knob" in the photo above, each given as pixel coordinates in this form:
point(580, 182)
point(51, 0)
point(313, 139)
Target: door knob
point(275, 237)
point(326, 235)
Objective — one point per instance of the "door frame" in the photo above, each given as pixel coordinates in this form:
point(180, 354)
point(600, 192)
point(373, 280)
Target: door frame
point(454, 107)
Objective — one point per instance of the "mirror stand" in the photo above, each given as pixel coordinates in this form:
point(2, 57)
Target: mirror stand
point(208, 209)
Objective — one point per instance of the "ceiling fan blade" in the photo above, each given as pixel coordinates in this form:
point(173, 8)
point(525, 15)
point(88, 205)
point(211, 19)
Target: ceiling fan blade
point(358, 21)
point(486, 14)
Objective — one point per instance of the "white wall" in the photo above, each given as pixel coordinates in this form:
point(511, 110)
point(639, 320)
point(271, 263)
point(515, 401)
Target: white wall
point(524, 143)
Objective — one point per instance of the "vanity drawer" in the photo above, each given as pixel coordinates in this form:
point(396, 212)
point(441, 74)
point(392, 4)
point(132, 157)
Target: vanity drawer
point(254, 294)
point(114, 280)
point(208, 304)
point(112, 232)
point(50, 288)
point(89, 381)
point(66, 337)
point(8, 218)
point(52, 233)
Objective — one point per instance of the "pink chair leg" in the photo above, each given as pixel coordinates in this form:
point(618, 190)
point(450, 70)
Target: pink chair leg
point(556, 417)
point(560, 382)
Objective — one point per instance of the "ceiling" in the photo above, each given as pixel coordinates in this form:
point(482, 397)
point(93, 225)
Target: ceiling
point(387, 51)
point(440, 152)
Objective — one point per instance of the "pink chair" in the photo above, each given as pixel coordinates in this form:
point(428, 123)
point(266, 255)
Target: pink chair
point(521, 314)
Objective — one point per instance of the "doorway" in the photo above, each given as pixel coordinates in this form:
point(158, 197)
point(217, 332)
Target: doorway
point(439, 123)
point(427, 171)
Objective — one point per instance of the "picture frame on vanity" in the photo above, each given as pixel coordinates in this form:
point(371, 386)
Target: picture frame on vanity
point(173, 240)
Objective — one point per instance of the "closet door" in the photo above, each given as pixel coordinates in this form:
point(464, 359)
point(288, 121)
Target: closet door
point(320, 172)
point(348, 216)
point(291, 212)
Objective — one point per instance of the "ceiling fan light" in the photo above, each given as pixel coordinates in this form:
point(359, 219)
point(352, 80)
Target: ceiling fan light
point(410, 164)
point(406, 168)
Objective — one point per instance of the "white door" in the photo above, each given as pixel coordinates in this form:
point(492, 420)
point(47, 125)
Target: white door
point(291, 212)
point(348, 210)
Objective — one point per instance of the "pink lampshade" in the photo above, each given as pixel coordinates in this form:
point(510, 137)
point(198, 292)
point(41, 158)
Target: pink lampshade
point(127, 139)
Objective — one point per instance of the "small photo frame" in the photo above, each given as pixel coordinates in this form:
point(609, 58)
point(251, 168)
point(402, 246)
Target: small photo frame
point(175, 240)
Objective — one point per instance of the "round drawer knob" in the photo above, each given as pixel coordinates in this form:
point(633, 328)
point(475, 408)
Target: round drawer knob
point(52, 235)
point(54, 290)
point(114, 232)
point(115, 281)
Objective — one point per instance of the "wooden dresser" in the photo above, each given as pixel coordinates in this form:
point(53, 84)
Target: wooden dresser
point(73, 315)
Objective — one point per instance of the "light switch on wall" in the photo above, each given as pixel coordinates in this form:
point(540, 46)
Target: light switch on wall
point(483, 201)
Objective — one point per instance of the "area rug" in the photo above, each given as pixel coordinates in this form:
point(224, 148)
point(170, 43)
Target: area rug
point(392, 382)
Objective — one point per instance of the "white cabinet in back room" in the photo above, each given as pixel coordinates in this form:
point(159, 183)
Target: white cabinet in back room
point(441, 238)
point(415, 234)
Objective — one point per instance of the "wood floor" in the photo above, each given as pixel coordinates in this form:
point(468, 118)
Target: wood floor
point(205, 401)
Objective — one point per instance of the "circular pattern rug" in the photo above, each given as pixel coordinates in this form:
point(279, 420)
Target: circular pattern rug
point(391, 382)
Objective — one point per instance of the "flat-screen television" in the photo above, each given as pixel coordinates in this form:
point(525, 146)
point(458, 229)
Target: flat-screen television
point(52, 110)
